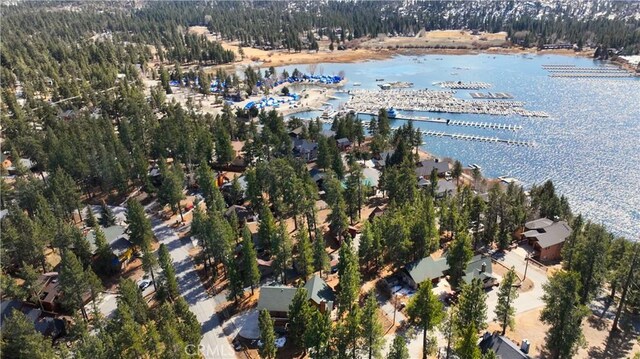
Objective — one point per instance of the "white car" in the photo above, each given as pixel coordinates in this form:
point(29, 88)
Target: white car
point(144, 284)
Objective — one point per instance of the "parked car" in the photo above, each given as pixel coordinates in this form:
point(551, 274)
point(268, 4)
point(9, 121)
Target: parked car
point(144, 283)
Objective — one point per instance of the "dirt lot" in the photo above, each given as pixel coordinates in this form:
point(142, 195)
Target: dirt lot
point(451, 39)
point(596, 331)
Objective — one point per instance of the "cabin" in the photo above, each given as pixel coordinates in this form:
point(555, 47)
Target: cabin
point(547, 238)
point(343, 143)
point(503, 347)
point(305, 149)
point(377, 212)
point(277, 299)
point(296, 132)
point(444, 188)
point(243, 214)
point(425, 269)
point(11, 167)
point(433, 270)
point(371, 177)
point(43, 323)
point(425, 168)
point(119, 244)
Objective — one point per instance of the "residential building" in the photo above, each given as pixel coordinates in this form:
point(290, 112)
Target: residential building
point(547, 238)
point(502, 346)
point(118, 241)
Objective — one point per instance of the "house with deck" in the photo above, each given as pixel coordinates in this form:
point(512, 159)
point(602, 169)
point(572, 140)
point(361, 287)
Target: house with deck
point(547, 238)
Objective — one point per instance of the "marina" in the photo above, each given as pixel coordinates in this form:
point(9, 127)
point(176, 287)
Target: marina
point(491, 95)
point(459, 136)
point(370, 101)
point(594, 75)
point(459, 85)
point(448, 122)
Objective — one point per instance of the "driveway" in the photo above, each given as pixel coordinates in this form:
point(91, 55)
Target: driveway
point(529, 300)
point(214, 343)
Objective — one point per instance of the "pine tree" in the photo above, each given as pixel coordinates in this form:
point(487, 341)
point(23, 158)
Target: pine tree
point(104, 255)
point(73, 283)
point(320, 256)
point(299, 317)
point(170, 282)
point(349, 276)
point(281, 249)
point(107, 219)
point(236, 289)
point(266, 229)
point(212, 196)
point(318, 334)
point(20, 339)
point(249, 260)
point(189, 328)
point(372, 328)
point(467, 346)
point(90, 220)
point(458, 256)
point(305, 254)
point(354, 334)
point(139, 226)
point(170, 192)
point(563, 313)
point(472, 307)
point(398, 348)
point(425, 311)
point(267, 336)
point(131, 296)
point(508, 293)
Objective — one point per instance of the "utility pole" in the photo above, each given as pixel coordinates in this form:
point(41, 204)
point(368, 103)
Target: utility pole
point(526, 266)
point(395, 307)
point(614, 326)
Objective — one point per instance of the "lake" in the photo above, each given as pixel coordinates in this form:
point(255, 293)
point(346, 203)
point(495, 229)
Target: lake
point(589, 146)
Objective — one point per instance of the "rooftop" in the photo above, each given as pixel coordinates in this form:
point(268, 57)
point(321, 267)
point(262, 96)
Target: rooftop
point(502, 346)
point(547, 236)
point(427, 269)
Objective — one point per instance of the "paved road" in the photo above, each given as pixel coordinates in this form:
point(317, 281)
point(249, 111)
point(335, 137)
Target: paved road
point(214, 342)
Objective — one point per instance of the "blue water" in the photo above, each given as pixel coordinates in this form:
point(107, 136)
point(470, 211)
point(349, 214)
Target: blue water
point(589, 147)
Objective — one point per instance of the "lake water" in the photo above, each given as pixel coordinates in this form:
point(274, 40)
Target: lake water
point(589, 147)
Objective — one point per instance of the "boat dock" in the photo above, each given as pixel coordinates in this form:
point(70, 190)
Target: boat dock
point(448, 122)
point(459, 136)
point(459, 85)
point(370, 101)
point(586, 72)
point(593, 74)
point(491, 95)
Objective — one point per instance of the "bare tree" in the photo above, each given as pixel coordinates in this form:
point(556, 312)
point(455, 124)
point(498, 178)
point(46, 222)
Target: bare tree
point(311, 68)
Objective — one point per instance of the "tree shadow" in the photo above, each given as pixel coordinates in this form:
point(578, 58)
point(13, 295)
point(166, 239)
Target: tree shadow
point(617, 345)
point(597, 322)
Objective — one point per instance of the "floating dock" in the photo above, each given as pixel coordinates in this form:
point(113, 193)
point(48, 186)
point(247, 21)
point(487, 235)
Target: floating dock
point(593, 74)
point(459, 136)
point(491, 95)
point(448, 122)
point(459, 85)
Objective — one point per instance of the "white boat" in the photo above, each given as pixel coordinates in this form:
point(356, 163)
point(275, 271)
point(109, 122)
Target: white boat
point(356, 84)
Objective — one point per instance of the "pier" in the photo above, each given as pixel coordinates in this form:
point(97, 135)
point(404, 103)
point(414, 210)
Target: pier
point(370, 101)
point(491, 95)
point(593, 74)
point(459, 85)
point(459, 136)
point(448, 122)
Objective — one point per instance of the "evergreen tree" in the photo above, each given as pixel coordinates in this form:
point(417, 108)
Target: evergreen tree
point(170, 192)
point(472, 307)
point(299, 317)
point(249, 260)
point(90, 220)
point(563, 313)
point(20, 339)
point(131, 296)
point(398, 348)
point(189, 327)
point(372, 328)
point(281, 249)
point(349, 276)
point(508, 293)
point(103, 263)
point(170, 282)
point(425, 311)
point(73, 283)
point(458, 256)
point(318, 334)
point(267, 336)
point(457, 171)
point(467, 346)
point(139, 226)
point(236, 288)
point(107, 219)
point(305, 254)
point(212, 196)
point(320, 256)
point(266, 229)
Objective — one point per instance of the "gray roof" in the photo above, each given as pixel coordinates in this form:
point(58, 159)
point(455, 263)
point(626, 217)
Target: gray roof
point(538, 223)
point(305, 145)
point(556, 232)
point(327, 133)
point(343, 141)
point(427, 269)
point(318, 291)
point(427, 166)
point(502, 346)
point(445, 186)
point(116, 237)
point(276, 298)
point(474, 269)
